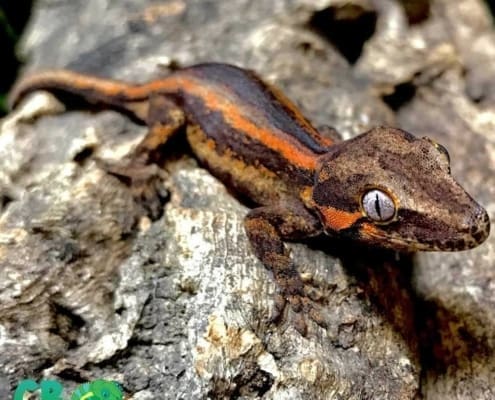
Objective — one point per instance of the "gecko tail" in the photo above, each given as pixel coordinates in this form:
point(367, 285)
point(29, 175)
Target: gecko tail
point(76, 88)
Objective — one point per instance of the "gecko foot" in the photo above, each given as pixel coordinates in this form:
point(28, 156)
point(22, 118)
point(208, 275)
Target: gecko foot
point(146, 182)
point(299, 308)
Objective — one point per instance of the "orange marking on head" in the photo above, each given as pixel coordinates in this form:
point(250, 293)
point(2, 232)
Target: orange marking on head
point(369, 229)
point(338, 219)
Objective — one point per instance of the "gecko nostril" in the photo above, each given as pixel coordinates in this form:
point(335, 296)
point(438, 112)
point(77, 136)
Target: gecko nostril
point(479, 225)
point(478, 218)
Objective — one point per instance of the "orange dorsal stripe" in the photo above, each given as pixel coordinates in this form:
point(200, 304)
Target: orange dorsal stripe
point(288, 147)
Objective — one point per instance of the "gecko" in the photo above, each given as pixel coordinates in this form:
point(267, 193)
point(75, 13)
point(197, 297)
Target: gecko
point(384, 188)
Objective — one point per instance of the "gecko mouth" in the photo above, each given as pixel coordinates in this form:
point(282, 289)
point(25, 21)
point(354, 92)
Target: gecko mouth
point(433, 240)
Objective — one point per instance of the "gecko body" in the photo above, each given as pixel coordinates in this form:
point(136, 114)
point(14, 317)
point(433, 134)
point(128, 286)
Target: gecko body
point(384, 187)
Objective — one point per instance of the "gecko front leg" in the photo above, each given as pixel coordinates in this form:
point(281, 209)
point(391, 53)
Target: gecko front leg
point(267, 227)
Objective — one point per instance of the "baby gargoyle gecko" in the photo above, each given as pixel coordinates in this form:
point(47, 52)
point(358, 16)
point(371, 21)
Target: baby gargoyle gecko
point(383, 188)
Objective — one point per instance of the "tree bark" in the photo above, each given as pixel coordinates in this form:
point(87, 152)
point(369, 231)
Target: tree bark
point(179, 308)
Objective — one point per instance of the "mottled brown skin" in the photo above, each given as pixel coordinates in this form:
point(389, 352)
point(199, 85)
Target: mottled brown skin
point(305, 182)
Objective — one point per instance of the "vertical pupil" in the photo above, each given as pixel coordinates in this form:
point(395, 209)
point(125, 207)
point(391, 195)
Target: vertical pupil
point(377, 206)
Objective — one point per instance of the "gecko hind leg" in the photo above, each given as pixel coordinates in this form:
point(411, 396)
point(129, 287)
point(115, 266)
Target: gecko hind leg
point(266, 228)
point(140, 171)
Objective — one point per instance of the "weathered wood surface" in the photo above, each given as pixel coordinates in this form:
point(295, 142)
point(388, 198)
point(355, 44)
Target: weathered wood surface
point(179, 308)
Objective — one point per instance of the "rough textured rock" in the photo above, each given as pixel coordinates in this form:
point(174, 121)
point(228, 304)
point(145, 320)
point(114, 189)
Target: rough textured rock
point(180, 308)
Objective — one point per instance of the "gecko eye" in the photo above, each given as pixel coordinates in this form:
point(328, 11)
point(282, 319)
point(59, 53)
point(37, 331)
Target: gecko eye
point(378, 205)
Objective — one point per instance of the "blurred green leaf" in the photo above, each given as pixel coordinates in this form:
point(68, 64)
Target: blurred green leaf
point(4, 23)
point(3, 102)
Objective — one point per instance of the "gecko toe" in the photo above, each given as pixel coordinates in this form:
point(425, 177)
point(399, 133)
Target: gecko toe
point(317, 316)
point(297, 309)
point(313, 311)
point(280, 304)
point(299, 323)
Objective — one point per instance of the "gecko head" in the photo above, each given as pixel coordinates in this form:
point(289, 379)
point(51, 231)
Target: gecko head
point(391, 189)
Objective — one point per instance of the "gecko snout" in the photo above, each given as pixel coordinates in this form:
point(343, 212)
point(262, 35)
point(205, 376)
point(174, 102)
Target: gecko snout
point(472, 230)
point(478, 227)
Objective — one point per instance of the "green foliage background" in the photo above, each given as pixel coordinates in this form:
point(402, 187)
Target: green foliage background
point(13, 17)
